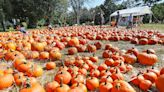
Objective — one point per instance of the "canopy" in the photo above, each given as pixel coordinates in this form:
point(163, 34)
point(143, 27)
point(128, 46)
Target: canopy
point(136, 11)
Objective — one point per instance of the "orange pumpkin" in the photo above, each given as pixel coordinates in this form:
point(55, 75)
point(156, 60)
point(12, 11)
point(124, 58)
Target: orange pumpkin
point(50, 65)
point(44, 55)
point(82, 87)
point(51, 86)
point(55, 55)
point(66, 77)
point(147, 58)
point(92, 83)
point(122, 86)
point(159, 83)
point(6, 80)
point(105, 87)
point(145, 85)
point(32, 88)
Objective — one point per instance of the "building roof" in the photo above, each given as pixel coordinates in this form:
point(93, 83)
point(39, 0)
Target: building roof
point(134, 11)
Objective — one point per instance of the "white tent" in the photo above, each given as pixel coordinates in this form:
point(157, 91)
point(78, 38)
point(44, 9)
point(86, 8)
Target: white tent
point(136, 11)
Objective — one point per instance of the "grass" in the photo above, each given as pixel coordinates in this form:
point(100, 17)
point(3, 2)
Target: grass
point(159, 27)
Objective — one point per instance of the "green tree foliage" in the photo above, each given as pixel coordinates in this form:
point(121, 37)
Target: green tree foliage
point(158, 10)
point(33, 10)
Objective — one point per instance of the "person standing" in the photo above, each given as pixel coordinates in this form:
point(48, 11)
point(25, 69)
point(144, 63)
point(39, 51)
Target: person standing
point(117, 19)
point(130, 21)
point(101, 18)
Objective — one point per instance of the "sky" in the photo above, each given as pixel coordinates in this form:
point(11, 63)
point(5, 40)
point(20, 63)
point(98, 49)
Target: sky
point(93, 3)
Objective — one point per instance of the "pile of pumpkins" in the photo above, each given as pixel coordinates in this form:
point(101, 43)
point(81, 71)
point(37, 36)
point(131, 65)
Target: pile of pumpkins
point(80, 73)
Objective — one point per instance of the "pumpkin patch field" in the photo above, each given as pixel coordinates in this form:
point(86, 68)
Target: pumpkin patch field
point(82, 59)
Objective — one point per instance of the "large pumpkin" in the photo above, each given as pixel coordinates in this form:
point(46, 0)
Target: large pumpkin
point(159, 83)
point(6, 80)
point(147, 58)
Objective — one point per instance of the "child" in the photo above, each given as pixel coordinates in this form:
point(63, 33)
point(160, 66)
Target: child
point(21, 28)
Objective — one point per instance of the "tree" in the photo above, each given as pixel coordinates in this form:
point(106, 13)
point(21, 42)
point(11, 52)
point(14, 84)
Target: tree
point(109, 7)
point(33, 10)
point(151, 2)
point(158, 11)
point(77, 7)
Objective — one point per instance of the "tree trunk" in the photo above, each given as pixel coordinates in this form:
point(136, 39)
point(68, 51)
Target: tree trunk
point(78, 19)
point(3, 26)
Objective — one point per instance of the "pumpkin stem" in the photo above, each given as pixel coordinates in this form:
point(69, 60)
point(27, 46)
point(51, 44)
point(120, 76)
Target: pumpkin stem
point(78, 84)
point(108, 76)
point(27, 85)
point(93, 54)
point(118, 86)
point(105, 82)
point(63, 63)
point(148, 51)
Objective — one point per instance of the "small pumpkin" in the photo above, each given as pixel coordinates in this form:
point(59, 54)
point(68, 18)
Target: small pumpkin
point(92, 83)
point(66, 77)
point(145, 85)
point(105, 87)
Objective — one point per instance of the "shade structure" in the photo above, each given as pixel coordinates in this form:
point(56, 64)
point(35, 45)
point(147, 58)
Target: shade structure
point(136, 11)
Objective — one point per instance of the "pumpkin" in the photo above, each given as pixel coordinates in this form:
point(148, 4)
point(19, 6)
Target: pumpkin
point(159, 83)
point(81, 48)
point(102, 67)
point(105, 87)
point(150, 76)
point(91, 48)
point(147, 58)
point(130, 58)
point(122, 86)
point(51, 86)
point(98, 45)
point(145, 85)
point(55, 55)
point(50, 65)
point(35, 71)
point(133, 50)
point(6, 80)
point(72, 50)
point(143, 41)
point(79, 85)
point(95, 73)
point(44, 55)
point(162, 71)
point(92, 83)
point(109, 62)
point(106, 78)
point(10, 45)
point(62, 87)
point(105, 72)
point(94, 58)
point(73, 42)
point(32, 88)
point(66, 77)
point(117, 75)
point(156, 71)
point(77, 79)
point(37, 46)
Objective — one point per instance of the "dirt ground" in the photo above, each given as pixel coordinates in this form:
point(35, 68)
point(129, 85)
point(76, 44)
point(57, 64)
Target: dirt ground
point(49, 75)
